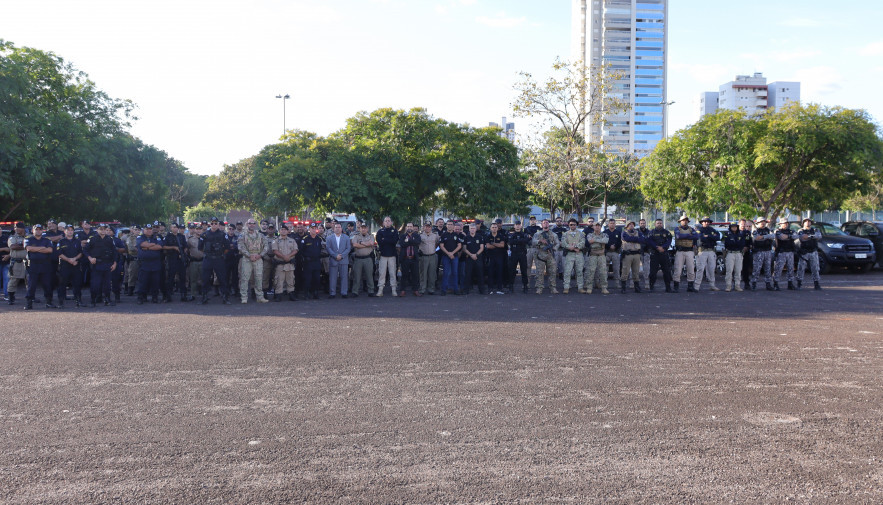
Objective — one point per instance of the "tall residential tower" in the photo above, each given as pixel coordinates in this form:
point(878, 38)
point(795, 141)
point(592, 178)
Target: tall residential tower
point(629, 36)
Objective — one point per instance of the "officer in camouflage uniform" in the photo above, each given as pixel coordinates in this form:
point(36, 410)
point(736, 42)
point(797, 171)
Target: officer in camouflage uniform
point(17, 257)
point(597, 259)
point(762, 244)
point(132, 265)
point(532, 228)
point(194, 266)
point(785, 237)
point(267, 258)
point(546, 242)
point(284, 250)
point(808, 238)
point(573, 242)
point(253, 245)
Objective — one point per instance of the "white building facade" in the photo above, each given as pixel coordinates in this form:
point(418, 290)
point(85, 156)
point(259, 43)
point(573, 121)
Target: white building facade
point(631, 36)
point(508, 129)
point(750, 93)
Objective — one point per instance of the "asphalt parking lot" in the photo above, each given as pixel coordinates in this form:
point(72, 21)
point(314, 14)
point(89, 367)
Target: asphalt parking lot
point(640, 398)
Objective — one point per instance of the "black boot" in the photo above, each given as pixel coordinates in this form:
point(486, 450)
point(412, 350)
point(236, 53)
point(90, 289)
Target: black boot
point(753, 286)
point(790, 286)
point(799, 283)
point(668, 288)
point(29, 303)
point(776, 286)
point(277, 298)
point(817, 285)
point(116, 297)
point(92, 303)
point(293, 297)
point(11, 300)
point(226, 300)
point(769, 287)
point(622, 287)
point(60, 303)
point(691, 288)
point(204, 299)
point(650, 287)
point(637, 287)
point(141, 300)
point(79, 302)
point(676, 288)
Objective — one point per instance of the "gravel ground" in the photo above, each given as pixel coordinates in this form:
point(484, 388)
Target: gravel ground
point(639, 398)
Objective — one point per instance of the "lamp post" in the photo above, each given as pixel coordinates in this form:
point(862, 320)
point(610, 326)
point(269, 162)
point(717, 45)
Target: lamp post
point(665, 118)
point(283, 97)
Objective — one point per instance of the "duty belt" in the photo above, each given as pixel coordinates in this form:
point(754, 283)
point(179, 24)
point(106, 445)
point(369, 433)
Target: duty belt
point(16, 260)
point(628, 253)
point(706, 249)
point(684, 249)
point(363, 257)
point(196, 260)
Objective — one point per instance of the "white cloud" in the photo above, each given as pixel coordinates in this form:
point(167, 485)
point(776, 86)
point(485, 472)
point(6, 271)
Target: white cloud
point(873, 49)
point(818, 81)
point(801, 23)
point(501, 20)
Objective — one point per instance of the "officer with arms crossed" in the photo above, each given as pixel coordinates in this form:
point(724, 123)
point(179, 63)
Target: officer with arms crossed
point(40, 252)
point(808, 238)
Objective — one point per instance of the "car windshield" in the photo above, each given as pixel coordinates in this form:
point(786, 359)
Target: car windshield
point(828, 229)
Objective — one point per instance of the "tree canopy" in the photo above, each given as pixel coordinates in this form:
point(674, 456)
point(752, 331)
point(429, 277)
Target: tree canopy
point(799, 157)
point(65, 149)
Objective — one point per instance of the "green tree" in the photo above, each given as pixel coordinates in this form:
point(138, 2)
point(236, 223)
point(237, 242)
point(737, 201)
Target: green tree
point(565, 165)
point(798, 157)
point(238, 186)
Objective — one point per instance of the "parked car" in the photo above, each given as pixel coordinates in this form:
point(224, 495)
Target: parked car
point(837, 249)
point(871, 230)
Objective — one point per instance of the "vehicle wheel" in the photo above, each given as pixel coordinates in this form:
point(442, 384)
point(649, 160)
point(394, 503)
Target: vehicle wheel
point(720, 265)
point(824, 266)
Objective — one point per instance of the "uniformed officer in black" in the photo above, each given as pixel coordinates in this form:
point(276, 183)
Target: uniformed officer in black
point(174, 250)
point(149, 248)
point(83, 235)
point(54, 235)
point(310, 248)
point(215, 245)
point(102, 255)
point(474, 247)
point(40, 253)
point(116, 277)
point(70, 254)
point(519, 241)
point(659, 242)
point(495, 249)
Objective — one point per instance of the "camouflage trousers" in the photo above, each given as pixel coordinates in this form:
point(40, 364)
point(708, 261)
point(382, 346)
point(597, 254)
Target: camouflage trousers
point(573, 262)
point(132, 274)
point(550, 267)
point(194, 277)
point(784, 259)
point(763, 261)
point(813, 259)
point(596, 264)
point(247, 269)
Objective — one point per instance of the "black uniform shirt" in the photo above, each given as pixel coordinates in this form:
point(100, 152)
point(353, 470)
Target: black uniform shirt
point(471, 244)
point(450, 240)
point(499, 239)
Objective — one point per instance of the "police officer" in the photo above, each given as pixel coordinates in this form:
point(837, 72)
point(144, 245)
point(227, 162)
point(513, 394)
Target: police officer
point(632, 248)
point(284, 251)
point(253, 245)
point(808, 238)
point(387, 239)
point(70, 253)
point(174, 250)
point(645, 253)
point(54, 235)
point(474, 247)
point(17, 258)
point(195, 257)
point(409, 245)
point(86, 232)
point(785, 248)
point(363, 261)
point(573, 242)
point(761, 249)
point(215, 245)
point(428, 261)
point(40, 253)
point(450, 245)
point(547, 244)
point(659, 242)
point(559, 230)
point(597, 260)
point(102, 255)
point(747, 260)
point(735, 245)
point(614, 246)
point(519, 243)
point(685, 241)
point(116, 277)
point(495, 248)
point(707, 260)
point(531, 229)
point(149, 259)
point(267, 258)
point(311, 250)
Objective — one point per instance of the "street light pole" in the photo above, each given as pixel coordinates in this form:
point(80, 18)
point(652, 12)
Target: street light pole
point(665, 118)
point(285, 97)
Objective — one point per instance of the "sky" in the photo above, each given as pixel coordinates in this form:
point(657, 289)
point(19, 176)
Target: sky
point(205, 74)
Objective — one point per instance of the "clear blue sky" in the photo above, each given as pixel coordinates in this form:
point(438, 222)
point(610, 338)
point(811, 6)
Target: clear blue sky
point(205, 73)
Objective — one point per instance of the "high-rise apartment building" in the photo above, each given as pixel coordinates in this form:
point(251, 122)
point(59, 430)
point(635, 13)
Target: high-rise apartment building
point(750, 93)
point(631, 37)
point(508, 129)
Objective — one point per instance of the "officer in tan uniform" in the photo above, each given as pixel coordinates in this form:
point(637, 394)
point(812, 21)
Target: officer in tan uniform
point(17, 256)
point(363, 262)
point(546, 242)
point(194, 267)
point(253, 245)
point(284, 249)
point(132, 266)
point(429, 240)
point(597, 259)
point(573, 242)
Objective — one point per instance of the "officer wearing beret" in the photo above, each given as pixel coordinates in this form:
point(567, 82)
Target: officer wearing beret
point(215, 245)
point(40, 253)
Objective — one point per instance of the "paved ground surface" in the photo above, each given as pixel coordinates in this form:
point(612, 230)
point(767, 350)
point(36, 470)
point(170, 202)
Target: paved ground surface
point(652, 398)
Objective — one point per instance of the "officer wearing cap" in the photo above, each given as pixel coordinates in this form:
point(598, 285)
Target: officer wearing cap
point(215, 245)
point(132, 265)
point(707, 259)
point(284, 251)
point(659, 242)
point(116, 277)
point(17, 257)
point(149, 248)
point(70, 253)
point(40, 253)
point(310, 248)
point(232, 260)
point(252, 245)
point(83, 235)
point(785, 248)
point(735, 245)
point(685, 241)
point(762, 253)
point(808, 237)
point(614, 247)
point(428, 262)
point(102, 256)
point(547, 244)
point(194, 265)
point(632, 247)
point(54, 235)
point(573, 242)
point(596, 265)
point(267, 258)
point(645, 253)
point(495, 250)
point(519, 243)
point(174, 248)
